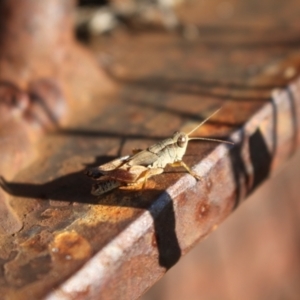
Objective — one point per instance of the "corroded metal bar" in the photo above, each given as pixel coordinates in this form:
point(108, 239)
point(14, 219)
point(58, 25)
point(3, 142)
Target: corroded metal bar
point(188, 211)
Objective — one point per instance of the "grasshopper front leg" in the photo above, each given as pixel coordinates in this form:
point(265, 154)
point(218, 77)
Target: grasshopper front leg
point(182, 164)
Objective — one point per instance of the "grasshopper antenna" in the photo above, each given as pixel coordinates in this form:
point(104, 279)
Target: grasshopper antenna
point(204, 121)
point(207, 139)
point(211, 140)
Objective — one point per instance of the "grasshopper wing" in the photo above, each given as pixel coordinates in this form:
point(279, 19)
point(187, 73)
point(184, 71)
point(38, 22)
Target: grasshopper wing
point(151, 155)
point(106, 168)
point(143, 158)
point(126, 173)
point(114, 164)
point(156, 148)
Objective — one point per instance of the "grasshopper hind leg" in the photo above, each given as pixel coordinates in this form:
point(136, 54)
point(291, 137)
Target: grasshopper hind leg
point(93, 173)
point(104, 186)
point(149, 173)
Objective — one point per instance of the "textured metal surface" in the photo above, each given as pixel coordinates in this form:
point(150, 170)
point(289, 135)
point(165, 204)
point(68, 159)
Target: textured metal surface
point(75, 246)
point(43, 73)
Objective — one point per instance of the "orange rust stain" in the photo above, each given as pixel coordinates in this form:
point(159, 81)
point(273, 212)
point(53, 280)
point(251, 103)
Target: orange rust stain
point(37, 243)
point(113, 209)
point(202, 210)
point(69, 245)
point(108, 213)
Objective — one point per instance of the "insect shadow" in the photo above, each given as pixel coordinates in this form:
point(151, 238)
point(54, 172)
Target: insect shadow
point(76, 187)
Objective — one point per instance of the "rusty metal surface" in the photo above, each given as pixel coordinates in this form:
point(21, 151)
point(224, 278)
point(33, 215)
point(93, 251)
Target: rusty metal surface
point(75, 246)
point(43, 72)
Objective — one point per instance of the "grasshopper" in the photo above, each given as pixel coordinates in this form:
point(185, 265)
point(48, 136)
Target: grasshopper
point(142, 164)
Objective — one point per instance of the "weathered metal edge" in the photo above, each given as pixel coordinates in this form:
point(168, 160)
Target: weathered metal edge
point(132, 262)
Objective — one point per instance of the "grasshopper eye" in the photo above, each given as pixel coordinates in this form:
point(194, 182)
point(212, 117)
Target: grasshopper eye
point(181, 141)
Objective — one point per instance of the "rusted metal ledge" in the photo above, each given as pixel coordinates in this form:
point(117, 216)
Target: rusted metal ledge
point(119, 245)
point(188, 211)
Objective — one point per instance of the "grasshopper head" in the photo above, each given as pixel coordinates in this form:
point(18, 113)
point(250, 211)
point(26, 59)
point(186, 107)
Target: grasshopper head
point(181, 140)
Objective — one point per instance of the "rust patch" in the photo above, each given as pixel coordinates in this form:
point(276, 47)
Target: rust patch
point(107, 213)
point(37, 243)
point(70, 245)
point(202, 210)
